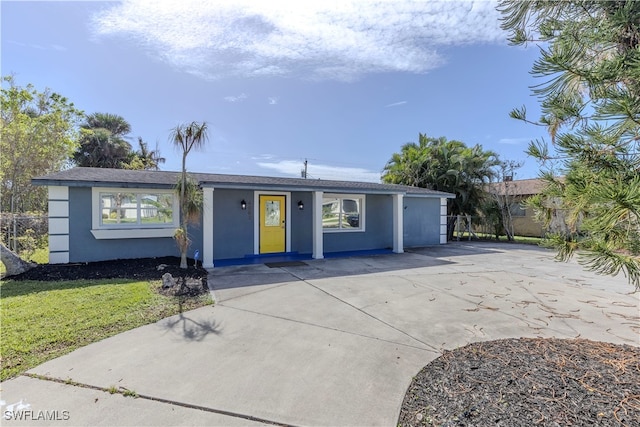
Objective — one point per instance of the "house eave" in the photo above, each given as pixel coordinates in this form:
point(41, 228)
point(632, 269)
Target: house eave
point(114, 184)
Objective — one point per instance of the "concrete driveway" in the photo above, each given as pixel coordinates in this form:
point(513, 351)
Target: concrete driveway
point(329, 342)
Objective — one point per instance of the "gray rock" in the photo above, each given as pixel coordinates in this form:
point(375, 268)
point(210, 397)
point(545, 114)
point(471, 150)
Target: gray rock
point(168, 281)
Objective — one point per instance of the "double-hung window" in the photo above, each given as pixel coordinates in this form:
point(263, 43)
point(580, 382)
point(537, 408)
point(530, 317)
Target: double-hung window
point(343, 212)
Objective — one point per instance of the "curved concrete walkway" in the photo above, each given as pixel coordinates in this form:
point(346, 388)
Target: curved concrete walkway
point(331, 342)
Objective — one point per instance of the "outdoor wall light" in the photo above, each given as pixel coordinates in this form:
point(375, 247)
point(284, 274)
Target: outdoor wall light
point(243, 204)
point(300, 205)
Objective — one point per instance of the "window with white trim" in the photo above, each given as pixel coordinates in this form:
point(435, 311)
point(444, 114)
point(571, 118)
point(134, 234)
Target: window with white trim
point(125, 209)
point(119, 213)
point(343, 212)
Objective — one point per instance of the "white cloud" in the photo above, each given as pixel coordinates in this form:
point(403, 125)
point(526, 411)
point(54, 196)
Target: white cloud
point(514, 141)
point(317, 39)
point(316, 171)
point(273, 100)
point(263, 157)
point(236, 98)
point(396, 104)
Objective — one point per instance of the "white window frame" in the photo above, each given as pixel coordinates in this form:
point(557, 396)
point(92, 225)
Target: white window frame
point(363, 202)
point(128, 230)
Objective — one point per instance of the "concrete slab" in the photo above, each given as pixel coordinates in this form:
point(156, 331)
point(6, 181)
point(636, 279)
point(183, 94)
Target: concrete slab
point(333, 342)
point(251, 364)
point(29, 401)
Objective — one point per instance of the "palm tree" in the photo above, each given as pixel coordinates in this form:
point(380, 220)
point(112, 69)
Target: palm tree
point(114, 123)
point(102, 142)
point(150, 159)
point(443, 165)
point(186, 137)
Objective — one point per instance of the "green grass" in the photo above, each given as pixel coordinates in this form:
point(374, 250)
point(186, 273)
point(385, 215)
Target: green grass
point(517, 239)
point(44, 320)
point(40, 256)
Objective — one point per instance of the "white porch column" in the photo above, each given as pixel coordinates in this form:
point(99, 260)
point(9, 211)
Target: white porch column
point(318, 249)
point(398, 223)
point(207, 227)
point(443, 220)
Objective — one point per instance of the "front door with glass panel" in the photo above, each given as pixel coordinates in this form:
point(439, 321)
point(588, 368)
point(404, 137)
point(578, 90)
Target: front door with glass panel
point(272, 224)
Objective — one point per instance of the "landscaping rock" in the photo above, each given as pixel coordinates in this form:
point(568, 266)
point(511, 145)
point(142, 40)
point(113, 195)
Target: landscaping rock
point(168, 281)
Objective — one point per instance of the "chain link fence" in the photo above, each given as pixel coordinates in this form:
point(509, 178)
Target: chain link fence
point(24, 233)
point(467, 227)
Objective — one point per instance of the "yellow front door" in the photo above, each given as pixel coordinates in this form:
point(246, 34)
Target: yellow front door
point(272, 224)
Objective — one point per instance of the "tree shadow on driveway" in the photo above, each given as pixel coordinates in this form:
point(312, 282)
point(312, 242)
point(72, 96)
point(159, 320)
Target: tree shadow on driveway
point(191, 328)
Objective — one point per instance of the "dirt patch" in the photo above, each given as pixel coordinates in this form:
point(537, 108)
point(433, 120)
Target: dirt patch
point(550, 382)
point(191, 281)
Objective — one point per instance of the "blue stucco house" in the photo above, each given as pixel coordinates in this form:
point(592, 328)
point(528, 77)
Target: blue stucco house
point(100, 214)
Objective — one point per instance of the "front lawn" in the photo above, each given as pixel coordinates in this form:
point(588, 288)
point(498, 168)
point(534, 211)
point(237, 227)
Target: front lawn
point(539, 241)
point(44, 320)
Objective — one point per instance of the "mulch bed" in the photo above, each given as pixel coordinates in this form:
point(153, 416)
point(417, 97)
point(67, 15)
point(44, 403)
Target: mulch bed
point(190, 281)
point(524, 382)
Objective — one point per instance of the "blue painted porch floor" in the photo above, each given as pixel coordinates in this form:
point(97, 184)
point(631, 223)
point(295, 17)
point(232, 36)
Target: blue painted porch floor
point(292, 256)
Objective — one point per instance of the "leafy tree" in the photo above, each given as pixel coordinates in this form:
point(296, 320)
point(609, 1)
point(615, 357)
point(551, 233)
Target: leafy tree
point(103, 144)
point(590, 99)
point(37, 136)
point(443, 165)
point(186, 137)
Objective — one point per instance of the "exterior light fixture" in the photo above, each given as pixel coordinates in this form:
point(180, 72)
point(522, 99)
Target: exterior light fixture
point(243, 204)
point(300, 205)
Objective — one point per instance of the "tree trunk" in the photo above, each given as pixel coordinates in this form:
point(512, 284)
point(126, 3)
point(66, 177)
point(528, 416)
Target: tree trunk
point(13, 263)
point(183, 259)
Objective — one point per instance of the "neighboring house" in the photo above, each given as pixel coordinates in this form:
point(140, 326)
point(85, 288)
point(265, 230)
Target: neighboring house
point(516, 192)
point(100, 214)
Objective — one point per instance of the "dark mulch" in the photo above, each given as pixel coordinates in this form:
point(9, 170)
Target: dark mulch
point(193, 278)
point(524, 382)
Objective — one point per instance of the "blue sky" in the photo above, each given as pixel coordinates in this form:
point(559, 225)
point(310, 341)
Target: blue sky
point(341, 83)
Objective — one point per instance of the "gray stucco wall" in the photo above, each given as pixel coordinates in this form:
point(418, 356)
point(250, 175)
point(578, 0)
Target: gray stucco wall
point(378, 232)
point(232, 226)
point(301, 223)
point(83, 247)
point(421, 221)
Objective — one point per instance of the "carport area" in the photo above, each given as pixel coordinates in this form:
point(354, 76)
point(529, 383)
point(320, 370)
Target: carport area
point(329, 342)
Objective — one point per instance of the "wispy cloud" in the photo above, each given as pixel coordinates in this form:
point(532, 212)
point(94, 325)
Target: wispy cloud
point(273, 100)
point(396, 104)
point(263, 157)
point(236, 98)
point(316, 171)
point(38, 46)
point(321, 39)
point(514, 141)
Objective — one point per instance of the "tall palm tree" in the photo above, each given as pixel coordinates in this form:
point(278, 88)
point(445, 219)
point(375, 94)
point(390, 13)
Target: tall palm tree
point(186, 137)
